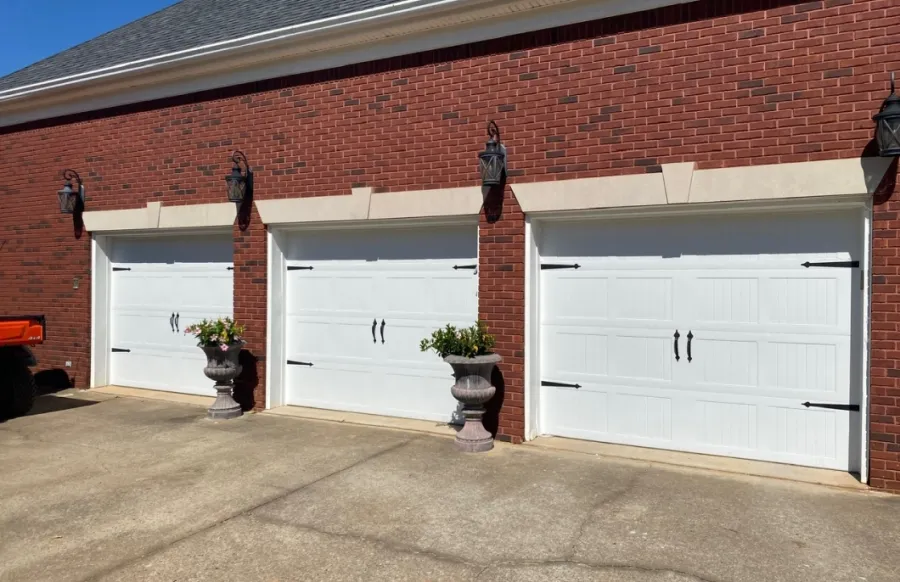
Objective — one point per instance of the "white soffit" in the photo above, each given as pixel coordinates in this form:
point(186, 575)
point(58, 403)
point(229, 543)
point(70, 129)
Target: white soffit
point(155, 216)
point(683, 184)
point(365, 204)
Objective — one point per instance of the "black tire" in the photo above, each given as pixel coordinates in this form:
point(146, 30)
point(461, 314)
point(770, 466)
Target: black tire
point(18, 394)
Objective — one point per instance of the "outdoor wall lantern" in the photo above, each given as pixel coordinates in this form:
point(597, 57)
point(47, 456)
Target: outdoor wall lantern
point(492, 161)
point(887, 132)
point(71, 200)
point(240, 184)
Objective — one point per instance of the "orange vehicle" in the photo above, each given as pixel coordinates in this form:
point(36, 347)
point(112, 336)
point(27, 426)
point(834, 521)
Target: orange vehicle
point(17, 387)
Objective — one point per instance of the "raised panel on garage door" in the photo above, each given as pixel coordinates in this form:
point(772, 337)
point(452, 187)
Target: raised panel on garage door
point(358, 304)
point(159, 287)
point(758, 335)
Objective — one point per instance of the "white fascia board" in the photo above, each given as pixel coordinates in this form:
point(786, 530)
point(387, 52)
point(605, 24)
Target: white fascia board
point(410, 27)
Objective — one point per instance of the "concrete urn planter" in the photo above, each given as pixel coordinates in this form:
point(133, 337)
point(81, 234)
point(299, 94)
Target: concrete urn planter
point(222, 367)
point(473, 389)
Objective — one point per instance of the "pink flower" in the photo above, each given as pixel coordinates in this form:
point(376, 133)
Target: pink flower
point(224, 347)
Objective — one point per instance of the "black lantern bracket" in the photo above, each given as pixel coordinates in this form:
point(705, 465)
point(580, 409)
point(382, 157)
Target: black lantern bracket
point(71, 201)
point(887, 120)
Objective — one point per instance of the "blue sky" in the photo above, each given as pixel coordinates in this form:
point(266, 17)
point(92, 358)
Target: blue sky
point(31, 30)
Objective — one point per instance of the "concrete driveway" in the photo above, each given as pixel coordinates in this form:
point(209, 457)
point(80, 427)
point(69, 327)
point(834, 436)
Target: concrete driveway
point(132, 489)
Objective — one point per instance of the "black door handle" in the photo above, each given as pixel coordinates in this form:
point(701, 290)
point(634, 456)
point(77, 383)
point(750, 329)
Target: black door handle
point(690, 339)
point(177, 317)
point(382, 331)
point(172, 322)
point(677, 335)
point(374, 324)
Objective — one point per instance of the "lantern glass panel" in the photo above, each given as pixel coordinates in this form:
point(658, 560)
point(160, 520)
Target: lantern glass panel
point(236, 187)
point(68, 199)
point(889, 135)
point(492, 164)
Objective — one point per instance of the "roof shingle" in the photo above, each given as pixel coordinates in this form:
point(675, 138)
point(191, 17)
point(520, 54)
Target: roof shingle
point(187, 24)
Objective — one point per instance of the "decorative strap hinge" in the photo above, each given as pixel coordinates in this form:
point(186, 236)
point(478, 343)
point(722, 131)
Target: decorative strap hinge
point(559, 384)
point(833, 264)
point(554, 266)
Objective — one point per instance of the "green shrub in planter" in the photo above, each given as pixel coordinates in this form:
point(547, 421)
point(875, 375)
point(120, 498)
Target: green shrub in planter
point(467, 342)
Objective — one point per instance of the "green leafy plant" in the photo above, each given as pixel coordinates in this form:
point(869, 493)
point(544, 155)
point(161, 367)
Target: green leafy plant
point(467, 342)
point(220, 332)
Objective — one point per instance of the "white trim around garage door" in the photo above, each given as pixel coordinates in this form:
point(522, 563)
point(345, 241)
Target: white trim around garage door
point(362, 208)
point(535, 221)
point(152, 220)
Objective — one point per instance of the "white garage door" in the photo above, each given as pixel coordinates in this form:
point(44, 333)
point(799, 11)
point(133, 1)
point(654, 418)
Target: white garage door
point(358, 304)
point(705, 334)
point(159, 287)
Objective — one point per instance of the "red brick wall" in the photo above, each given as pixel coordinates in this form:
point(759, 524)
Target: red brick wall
point(719, 83)
point(884, 437)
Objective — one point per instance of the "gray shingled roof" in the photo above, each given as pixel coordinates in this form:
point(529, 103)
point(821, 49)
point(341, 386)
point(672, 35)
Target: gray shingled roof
point(187, 24)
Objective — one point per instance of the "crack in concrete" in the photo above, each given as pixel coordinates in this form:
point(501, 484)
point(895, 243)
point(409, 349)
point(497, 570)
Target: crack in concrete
point(161, 547)
point(599, 566)
point(449, 558)
point(603, 501)
point(398, 547)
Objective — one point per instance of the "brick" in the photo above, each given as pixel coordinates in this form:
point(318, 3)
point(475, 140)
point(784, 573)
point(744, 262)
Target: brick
point(802, 78)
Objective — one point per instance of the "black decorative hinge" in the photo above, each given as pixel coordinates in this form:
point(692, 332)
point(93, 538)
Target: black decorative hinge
point(231, 268)
point(300, 268)
point(120, 350)
point(836, 264)
point(121, 269)
point(850, 407)
point(458, 267)
point(559, 384)
point(552, 266)
point(293, 363)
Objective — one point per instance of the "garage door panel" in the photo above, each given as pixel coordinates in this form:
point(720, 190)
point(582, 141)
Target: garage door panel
point(186, 276)
point(576, 413)
point(780, 236)
point(587, 292)
point(642, 416)
point(403, 280)
point(641, 297)
point(766, 334)
point(345, 384)
point(172, 250)
point(808, 301)
point(576, 350)
point(335, 337)
point(332, 291)
point(645, 356)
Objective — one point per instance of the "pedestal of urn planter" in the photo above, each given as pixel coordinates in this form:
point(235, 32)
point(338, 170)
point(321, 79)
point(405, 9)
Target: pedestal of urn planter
point(473, 389)
point(222, 367)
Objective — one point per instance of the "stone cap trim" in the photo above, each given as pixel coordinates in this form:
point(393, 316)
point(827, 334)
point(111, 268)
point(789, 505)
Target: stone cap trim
point(155, 216)
point(366, 204)
point(683, 184)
